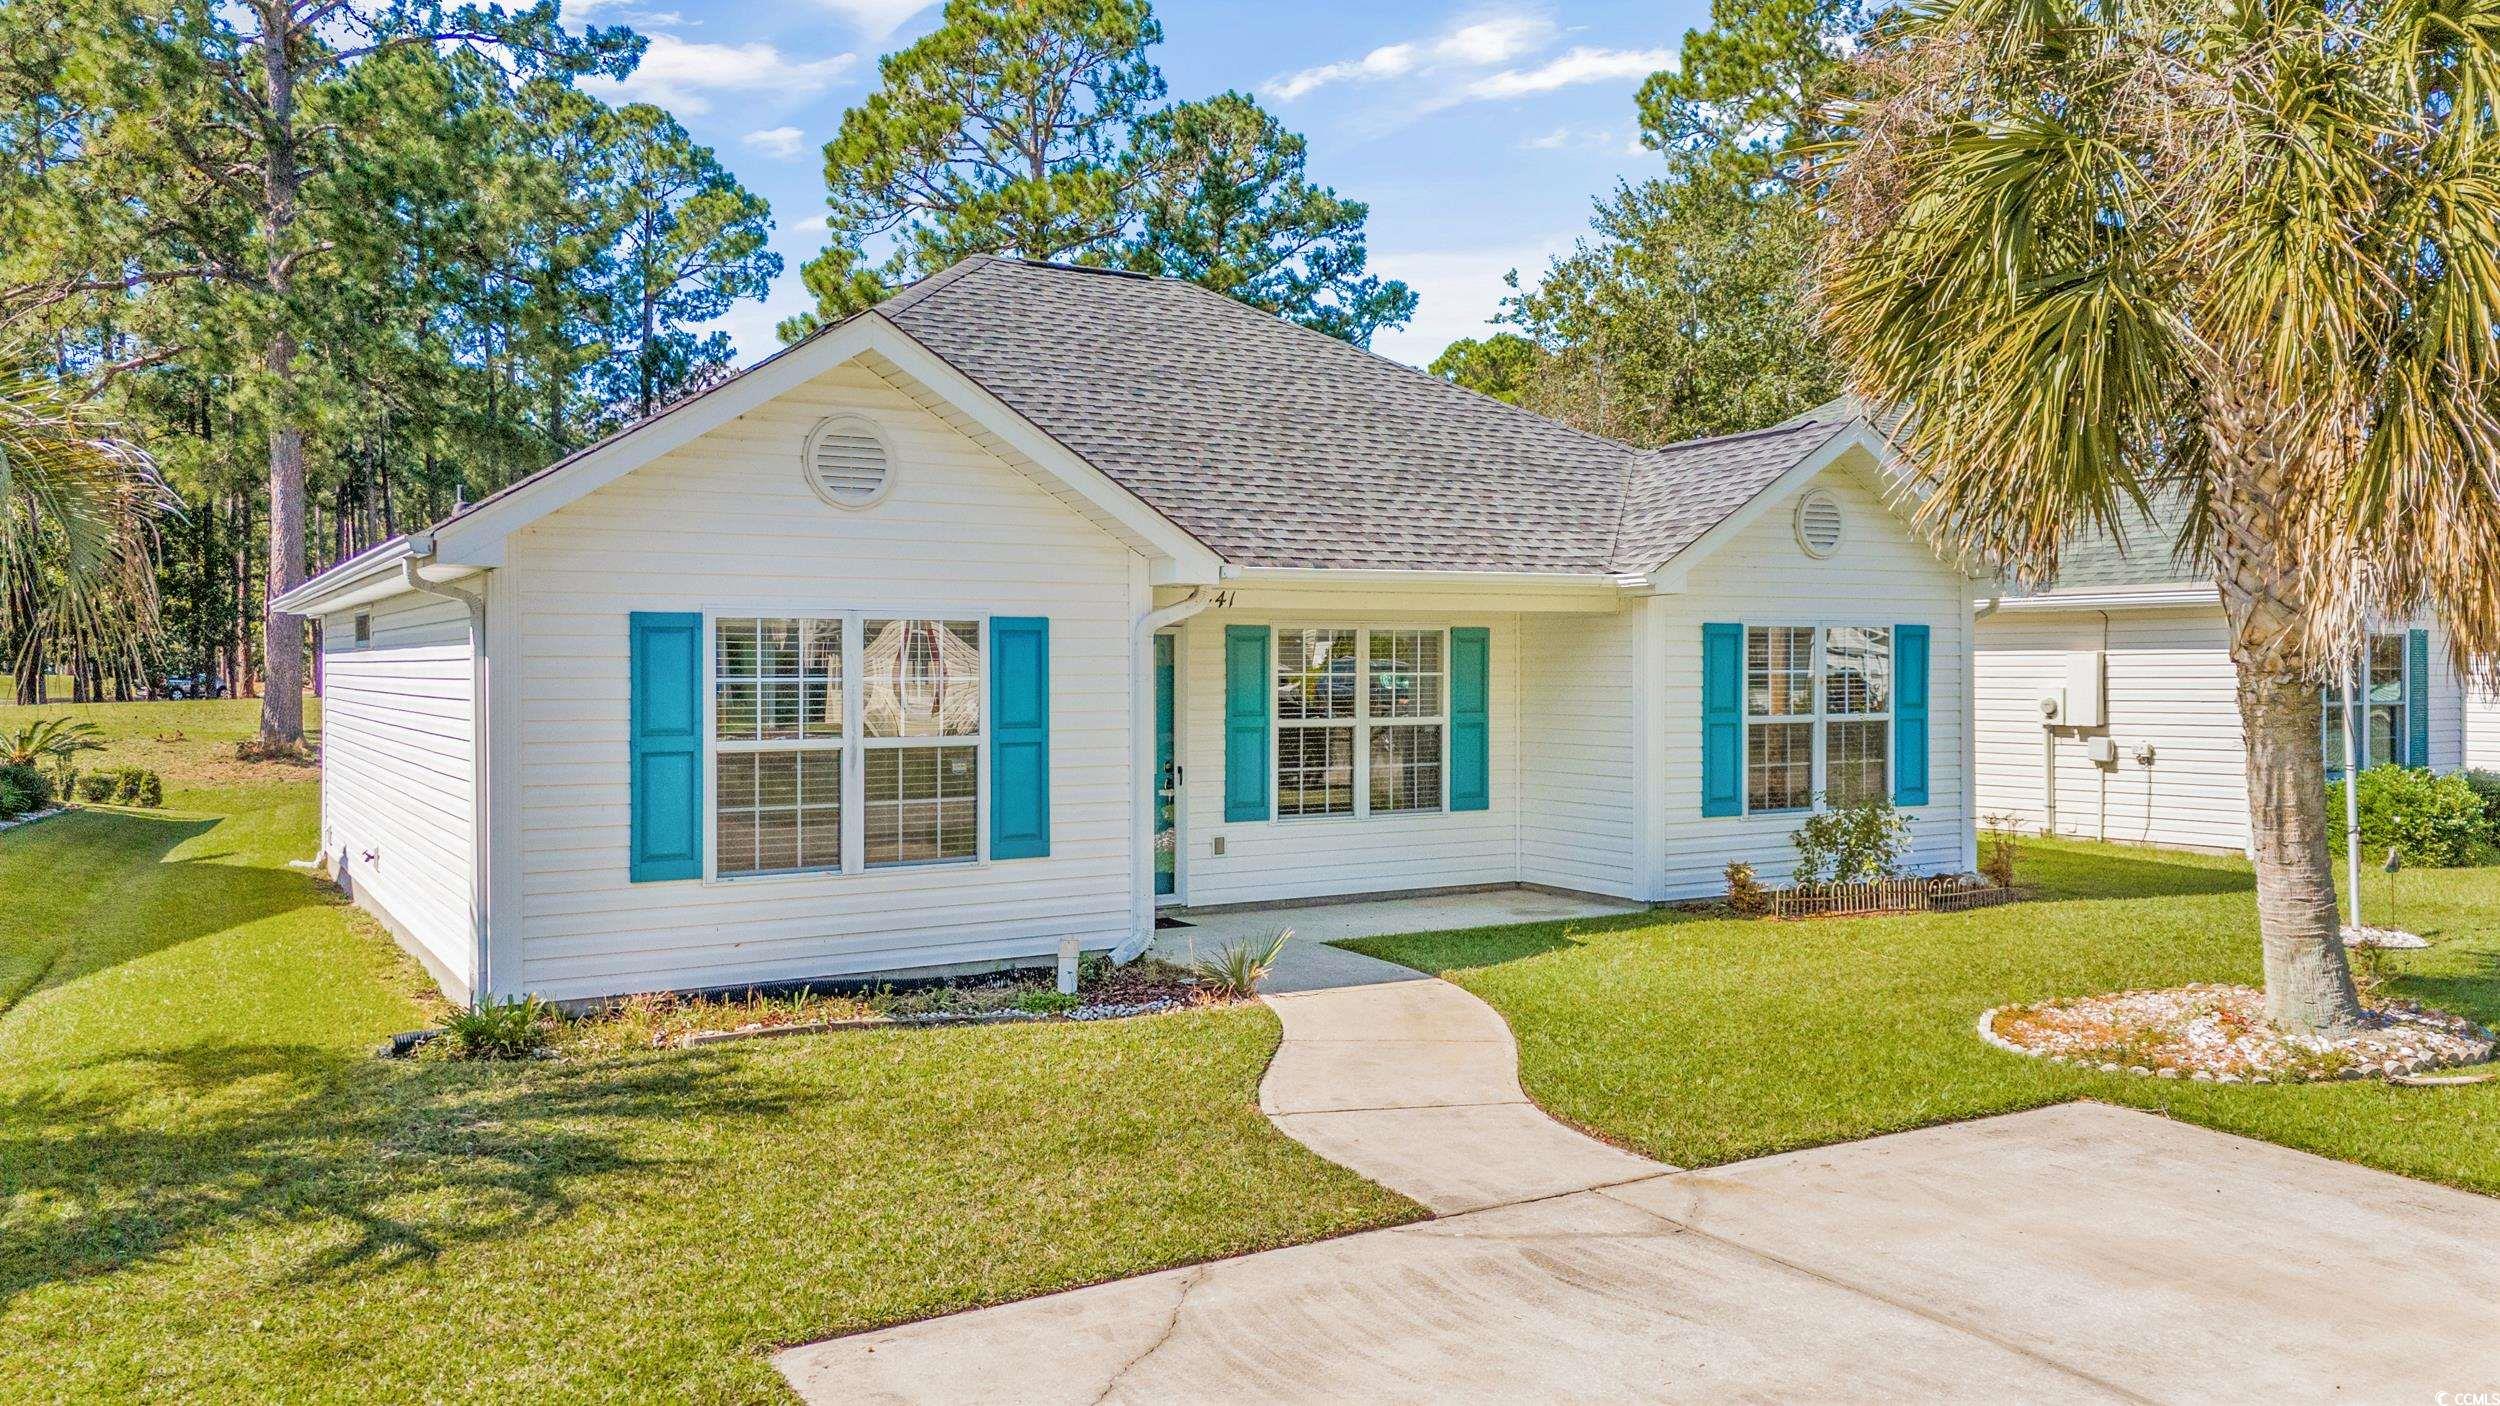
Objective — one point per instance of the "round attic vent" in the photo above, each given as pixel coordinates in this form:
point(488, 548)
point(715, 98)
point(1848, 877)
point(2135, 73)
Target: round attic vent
point(1819, 524)
point(847, 463)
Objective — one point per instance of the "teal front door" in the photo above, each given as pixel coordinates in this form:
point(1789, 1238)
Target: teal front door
point(1166, 777)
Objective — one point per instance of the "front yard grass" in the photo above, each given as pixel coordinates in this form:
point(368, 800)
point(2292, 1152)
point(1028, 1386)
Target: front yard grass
point(1702, 1040)
point(210, 1191)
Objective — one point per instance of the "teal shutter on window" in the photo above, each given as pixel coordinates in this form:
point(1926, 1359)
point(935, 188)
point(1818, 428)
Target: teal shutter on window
point(1471, 765)
point(2417, 698)
point(1019, 737)
point(1909, 715)
point(1248, 694)
point(1722, 719)
point(666, 701)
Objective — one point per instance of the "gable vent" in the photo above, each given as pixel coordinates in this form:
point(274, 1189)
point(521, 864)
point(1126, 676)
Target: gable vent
point(1819, 524)
point(847, 463)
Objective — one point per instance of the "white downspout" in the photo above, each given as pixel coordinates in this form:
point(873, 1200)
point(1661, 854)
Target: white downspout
point(481, 836)
point(1141, 710)
point(2352, 723)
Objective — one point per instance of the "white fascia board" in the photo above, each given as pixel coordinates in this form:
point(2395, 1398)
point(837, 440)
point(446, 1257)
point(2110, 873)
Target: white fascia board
point(2136, 597)
point(374, 576)
point(476, 539)
point(1669, 577)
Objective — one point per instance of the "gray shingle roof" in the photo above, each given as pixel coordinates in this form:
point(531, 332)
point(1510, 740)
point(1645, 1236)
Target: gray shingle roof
point(1278, 446)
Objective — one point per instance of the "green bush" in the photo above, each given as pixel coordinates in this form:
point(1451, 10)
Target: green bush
point(499, 1029)
point(33, 789)
point(122, 786)
point(2435, 822)
point(13, 802)
point(2486, 786)
point(1851, 845)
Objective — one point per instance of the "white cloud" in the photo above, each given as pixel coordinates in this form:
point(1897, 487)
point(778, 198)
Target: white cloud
point(876, 18)
point(1581, 65)
point(1458, 291)
point(1590, 138)
point(626, 12)
point(812, 224)
point(1479, 43)
point(775, 141)
point(682, 76)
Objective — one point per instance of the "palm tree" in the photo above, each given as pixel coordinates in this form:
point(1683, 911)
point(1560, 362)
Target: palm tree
point(77, 504)
point(2245, 253)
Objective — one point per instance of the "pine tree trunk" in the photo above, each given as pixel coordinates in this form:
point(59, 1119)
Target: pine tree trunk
point(282, 635)
point(2257, 570)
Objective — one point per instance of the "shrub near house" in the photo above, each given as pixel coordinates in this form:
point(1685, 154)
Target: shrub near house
point(2432, 821)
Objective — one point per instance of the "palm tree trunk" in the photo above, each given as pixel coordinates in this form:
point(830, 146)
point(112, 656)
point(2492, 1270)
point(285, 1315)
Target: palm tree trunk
point(2308, 983)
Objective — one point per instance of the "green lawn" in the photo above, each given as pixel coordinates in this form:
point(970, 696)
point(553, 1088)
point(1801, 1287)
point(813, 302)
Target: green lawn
point(1703, 1040)
point(209, 1191)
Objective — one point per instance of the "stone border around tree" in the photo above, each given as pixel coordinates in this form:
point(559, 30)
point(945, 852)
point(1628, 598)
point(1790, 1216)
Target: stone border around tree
point(2387, 1070)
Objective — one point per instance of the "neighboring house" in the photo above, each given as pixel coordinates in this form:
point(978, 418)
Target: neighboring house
point(2107, 703)
point(978, 625)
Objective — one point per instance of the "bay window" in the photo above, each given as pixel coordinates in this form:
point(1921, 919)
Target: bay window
point(1818, 715)
point(796, 753)
point(1362, 721)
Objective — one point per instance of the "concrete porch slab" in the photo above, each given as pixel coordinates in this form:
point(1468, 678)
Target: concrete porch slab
point(1382, 917)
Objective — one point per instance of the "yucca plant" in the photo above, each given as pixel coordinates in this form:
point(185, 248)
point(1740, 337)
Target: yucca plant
point(78, 503)
point(2242, 258)
point(1238, 967)
point(50, 741)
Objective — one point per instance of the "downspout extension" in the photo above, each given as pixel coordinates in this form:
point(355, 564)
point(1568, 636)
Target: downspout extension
point(481, 846)
point(1142, 711)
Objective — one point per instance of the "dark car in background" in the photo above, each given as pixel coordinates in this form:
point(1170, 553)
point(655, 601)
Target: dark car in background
point(178, 687)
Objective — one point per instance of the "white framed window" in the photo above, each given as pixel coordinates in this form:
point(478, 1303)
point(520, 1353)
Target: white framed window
point(361, 631)
point(844, 741)
point(1361, 721)
point(2383, 714)
point(1818, 716)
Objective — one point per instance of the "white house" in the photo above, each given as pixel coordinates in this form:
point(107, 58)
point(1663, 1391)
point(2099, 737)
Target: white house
point(988, 620)
point(2106, 703)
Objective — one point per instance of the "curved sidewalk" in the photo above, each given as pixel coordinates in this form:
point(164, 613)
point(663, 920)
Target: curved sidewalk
point(1414, 1083)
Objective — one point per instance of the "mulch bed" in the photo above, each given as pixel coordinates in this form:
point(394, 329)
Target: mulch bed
point(2219, 1034)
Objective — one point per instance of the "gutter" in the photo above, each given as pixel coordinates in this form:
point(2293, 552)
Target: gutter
point(481, 815)
point(1141, 720)
point(2179, 595)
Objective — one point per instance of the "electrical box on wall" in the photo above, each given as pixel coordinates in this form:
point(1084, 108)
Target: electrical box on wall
point(2102, 751)
point(2084, 687)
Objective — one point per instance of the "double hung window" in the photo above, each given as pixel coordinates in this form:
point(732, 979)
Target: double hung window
point(842, 743)
point(1362, 721)
point(1818, 715)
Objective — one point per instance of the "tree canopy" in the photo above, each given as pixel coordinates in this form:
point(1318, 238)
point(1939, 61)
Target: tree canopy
point(1033, 128)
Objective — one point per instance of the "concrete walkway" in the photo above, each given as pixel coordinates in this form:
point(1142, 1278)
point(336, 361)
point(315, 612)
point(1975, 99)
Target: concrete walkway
point(1415, 1084)
point(2081, 1253)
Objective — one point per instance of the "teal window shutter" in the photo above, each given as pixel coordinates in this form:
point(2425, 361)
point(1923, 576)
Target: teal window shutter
point(1248, 695)
point(1909, 715)
point(2417, 698)
point(1471, 764)
point(1722, 720)
point(666, 700)
point(1019, 737)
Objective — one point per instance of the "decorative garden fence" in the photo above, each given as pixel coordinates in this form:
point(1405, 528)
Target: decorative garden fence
point(1885, 896)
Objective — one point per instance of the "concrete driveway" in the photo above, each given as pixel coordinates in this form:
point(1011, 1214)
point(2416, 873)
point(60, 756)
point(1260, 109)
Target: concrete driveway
point(2080, 1253)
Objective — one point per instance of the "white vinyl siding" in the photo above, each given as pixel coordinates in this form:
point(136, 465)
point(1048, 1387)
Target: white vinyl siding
point(397, 769)
point(728, 526)
point(2170, 687)
point(1580, 769)
point(1880, 575)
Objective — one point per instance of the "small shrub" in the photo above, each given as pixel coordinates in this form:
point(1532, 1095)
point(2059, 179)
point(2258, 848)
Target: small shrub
point(1996, 850)
point(1047, 1002)
point(151, 790)
point(13, 802)
point(1851, 845)
point(33, 788)
point(2435, 822)
point(500, 1029)
point(2486, 788)
point(1237, 969)
point(1745, 894)
point(96, 787)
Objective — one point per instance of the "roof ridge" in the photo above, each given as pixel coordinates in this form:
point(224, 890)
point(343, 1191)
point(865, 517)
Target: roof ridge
point(921, 287)
point(1784, 427)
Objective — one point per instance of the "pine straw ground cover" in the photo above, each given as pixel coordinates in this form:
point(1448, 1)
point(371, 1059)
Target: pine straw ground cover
point(1700, 1039)
point(211, 1191)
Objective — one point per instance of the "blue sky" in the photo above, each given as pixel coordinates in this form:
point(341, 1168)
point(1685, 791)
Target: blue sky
point(1479, 133)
